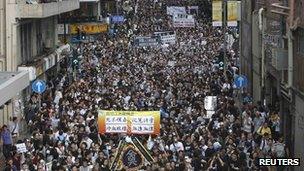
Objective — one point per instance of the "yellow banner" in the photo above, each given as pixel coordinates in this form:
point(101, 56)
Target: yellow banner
point(88, 28)
point(129, 122)
point(232, 8)
point(217, 11)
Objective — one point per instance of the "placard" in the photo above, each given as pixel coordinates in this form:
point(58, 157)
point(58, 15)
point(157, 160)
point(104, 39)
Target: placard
point(171, 10)
point(192, 10)
point(130, 122)
point(210, 103)
point(167, 37)
point(217, 13)
point(183, 20)
point(145, 41)
point(21, 148)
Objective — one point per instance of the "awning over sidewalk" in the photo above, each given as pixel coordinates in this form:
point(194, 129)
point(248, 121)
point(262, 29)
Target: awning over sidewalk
point(42, 64)
point(12, 83)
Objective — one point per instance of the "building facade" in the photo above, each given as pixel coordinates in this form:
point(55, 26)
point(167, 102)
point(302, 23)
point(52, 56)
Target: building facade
point(272, 57)
point(29, 42)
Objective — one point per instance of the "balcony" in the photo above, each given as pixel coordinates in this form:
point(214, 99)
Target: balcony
point(32, 9)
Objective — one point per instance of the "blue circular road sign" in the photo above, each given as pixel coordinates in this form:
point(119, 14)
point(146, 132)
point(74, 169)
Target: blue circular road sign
point(241, 81)
point(39, 86)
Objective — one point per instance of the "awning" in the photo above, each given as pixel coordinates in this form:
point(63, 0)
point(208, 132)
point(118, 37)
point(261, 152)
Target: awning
point(43, 64)
point(11, 83)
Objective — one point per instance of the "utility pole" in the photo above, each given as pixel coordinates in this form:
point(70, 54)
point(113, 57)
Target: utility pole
point(117, 7)
point(64, 30)
point(224, 18)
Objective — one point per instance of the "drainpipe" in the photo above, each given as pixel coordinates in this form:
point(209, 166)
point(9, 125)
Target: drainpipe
point(261, 27)
point(290, 46)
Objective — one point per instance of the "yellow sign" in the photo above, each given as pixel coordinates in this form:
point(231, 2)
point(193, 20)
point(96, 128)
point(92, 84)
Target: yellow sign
point(88, 28)
point(130, 122)
point(232, 8)
point(217, 13)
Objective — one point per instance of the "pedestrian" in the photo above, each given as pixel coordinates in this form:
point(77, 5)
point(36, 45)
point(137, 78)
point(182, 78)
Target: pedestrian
point(6, 141)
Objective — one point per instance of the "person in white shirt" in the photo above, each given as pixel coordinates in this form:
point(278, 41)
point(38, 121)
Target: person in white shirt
point(176, 146)
point(14, 127)
point(87, 140)
point(58, 96)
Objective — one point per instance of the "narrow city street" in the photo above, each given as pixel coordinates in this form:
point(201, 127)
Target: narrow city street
point(141, 85)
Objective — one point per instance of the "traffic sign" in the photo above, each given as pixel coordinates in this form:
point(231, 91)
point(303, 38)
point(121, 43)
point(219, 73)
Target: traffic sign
point(39, 86)
point(240, 81)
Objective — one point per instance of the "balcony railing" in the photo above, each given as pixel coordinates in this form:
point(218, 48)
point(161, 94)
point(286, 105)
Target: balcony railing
point(45, 8)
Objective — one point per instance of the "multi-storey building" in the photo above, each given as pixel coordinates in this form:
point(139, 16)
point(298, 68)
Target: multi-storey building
point(28, 43)
point(272, 51)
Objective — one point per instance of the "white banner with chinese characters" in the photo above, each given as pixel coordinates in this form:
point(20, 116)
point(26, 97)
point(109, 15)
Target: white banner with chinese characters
point(129, 122)
point(171, 10)
point(183, 20)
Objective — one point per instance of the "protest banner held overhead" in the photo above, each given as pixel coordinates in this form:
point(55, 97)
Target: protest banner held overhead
point(166, 37)
point(233, 13)
point(217, 13)
point(171, 10)
point(183, 20)
point(130, 122)
point(145, 41)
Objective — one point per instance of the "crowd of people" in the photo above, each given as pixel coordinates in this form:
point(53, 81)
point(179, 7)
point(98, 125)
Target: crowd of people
point(114, 74)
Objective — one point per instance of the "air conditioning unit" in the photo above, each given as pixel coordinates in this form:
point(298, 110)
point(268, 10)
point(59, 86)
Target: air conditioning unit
point(279, 59)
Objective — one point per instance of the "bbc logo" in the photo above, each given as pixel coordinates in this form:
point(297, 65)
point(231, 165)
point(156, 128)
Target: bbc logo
point(279, 162)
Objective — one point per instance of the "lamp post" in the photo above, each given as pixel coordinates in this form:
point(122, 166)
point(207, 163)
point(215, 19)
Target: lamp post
point(224, 18)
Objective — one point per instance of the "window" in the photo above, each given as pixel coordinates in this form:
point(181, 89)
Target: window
point(301, 41)
point(25, 42)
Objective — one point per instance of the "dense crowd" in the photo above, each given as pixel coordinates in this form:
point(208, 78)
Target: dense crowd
point(113, 74)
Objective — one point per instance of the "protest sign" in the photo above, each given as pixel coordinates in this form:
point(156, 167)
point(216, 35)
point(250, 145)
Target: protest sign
point(131, 122)
point(171, 10)
point(192, 10)
point(167, 37)
point(21, 148)
point(145, 41)
point(183, 20)
point(217, 13)
point(210, 103)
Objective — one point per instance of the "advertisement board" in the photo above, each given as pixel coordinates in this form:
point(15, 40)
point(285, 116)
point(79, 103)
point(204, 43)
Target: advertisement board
point(130, 122)
point(117, 19)
point(216, 13)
